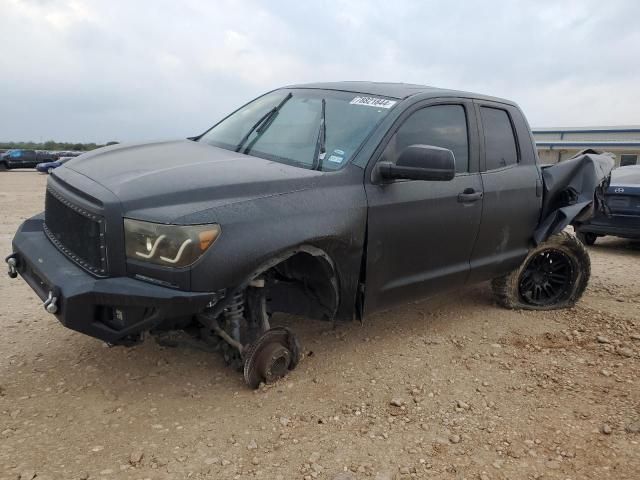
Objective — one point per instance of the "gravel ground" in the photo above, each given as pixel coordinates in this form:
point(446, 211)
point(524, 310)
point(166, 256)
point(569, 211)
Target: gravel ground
point(451, 388)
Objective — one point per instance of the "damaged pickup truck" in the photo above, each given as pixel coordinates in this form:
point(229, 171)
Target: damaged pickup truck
point(328, 201)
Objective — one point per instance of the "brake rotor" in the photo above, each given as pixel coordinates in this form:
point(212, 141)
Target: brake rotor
point(271, 356)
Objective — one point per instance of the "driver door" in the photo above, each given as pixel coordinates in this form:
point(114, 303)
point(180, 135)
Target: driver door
point(421, 233)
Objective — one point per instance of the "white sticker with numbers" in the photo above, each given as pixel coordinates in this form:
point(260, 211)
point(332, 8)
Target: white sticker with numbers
point(373, 102)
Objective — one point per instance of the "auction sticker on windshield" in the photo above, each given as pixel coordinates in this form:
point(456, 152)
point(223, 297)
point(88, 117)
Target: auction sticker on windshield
point(373, 102)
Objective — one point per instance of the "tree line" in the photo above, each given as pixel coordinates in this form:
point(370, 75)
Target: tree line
point(52, 145)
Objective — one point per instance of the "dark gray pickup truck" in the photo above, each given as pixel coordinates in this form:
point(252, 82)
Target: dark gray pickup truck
point(327, 201)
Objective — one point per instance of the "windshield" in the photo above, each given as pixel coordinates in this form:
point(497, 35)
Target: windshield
point(295, 126)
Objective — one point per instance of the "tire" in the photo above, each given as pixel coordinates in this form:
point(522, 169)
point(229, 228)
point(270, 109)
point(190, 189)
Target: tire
point(3, 167)
point(587, 238)
point(554, 275)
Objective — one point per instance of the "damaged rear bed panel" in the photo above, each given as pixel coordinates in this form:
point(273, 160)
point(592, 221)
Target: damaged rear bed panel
point(572, 192)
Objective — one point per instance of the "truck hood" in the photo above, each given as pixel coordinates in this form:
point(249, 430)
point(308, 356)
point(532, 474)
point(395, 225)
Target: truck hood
point(186, 176)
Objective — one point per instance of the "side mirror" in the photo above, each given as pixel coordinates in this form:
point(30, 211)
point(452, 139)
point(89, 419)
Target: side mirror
point(420, 162)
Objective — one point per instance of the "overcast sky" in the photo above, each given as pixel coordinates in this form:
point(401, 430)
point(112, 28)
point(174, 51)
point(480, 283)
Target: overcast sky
point(83, 70)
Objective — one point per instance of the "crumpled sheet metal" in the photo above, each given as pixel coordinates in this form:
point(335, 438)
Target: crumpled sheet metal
point(572, 192)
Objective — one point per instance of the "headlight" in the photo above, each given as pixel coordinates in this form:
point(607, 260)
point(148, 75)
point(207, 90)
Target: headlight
point(168, 245)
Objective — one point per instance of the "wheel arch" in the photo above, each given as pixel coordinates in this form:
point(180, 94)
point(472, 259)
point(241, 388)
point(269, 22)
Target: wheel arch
point(301, 280)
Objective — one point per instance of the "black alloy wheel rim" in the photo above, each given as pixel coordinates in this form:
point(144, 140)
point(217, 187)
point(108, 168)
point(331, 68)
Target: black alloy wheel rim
point(547, 278)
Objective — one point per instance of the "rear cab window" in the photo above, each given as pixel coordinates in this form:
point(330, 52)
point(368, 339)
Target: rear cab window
point(499, 139)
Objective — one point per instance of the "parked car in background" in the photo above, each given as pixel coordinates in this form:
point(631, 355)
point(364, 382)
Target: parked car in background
point(48, 167)
point(621, 215)
point(68, 153)
point(23, 158)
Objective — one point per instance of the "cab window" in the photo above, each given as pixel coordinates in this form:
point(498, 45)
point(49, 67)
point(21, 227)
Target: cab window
point(442, 126)
point(499, 139)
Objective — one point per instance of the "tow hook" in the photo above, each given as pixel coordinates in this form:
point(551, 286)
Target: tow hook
point(51, 303)
point(12, 263)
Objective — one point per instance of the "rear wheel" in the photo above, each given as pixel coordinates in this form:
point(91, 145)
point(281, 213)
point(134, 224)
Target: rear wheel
point(554, 275)
point(587, 238)
point(3, 167)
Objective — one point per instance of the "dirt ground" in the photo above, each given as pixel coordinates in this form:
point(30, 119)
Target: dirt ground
point(451, 388)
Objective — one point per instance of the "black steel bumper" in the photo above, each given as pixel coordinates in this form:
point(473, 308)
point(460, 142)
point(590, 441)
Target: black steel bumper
point(111, 309)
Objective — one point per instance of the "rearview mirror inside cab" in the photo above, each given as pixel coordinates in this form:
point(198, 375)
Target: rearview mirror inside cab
point(420, 162)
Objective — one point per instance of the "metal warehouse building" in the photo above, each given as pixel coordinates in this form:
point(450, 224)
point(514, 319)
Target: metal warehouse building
point(557, 144)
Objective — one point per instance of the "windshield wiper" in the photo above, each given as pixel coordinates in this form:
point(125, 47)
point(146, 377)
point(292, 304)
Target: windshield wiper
point(263, 123)
point(321, 150)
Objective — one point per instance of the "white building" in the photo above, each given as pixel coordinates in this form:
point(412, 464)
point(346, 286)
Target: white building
point(557, 144)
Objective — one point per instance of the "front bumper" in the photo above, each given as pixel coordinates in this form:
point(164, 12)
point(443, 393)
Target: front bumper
point(114, 310)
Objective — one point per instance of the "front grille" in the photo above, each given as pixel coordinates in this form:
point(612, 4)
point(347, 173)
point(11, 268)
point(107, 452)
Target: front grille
point(79, 234)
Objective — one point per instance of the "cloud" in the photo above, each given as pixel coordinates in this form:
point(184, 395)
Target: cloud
point(87, 70)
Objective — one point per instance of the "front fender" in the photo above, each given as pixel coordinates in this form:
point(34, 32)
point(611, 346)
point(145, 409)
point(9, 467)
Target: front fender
point(327, 221)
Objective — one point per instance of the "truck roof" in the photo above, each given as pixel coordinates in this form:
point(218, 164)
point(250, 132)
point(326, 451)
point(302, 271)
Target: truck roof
point(396, 90)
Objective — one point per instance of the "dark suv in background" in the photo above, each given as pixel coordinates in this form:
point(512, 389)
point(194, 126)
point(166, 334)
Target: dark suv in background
point(21, 158)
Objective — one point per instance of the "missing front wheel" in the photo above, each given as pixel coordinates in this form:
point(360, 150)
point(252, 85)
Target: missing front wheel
point(247, 341)
point(271, 357)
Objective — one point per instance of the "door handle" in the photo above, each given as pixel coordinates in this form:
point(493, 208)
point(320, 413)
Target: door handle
point(469, 195)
